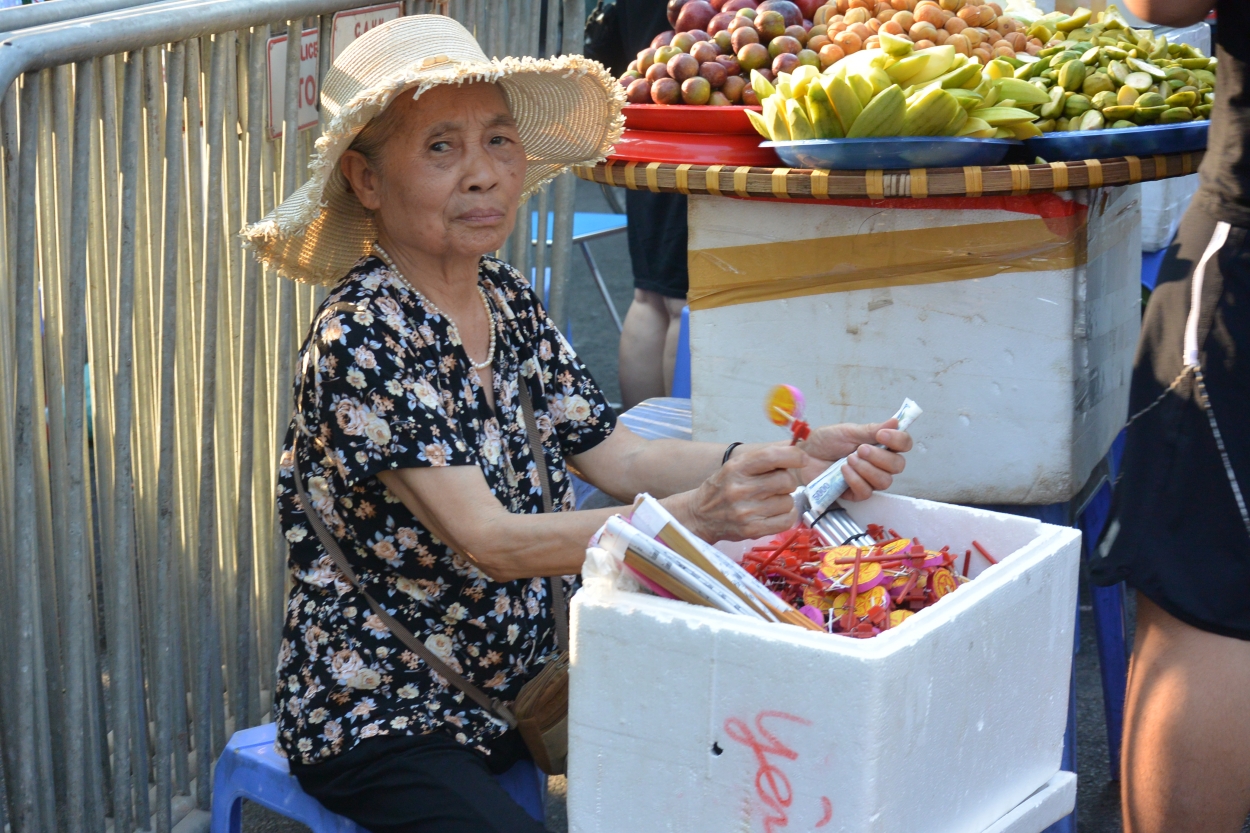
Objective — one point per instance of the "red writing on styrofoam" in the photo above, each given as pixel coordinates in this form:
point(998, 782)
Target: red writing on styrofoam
point(772, 785)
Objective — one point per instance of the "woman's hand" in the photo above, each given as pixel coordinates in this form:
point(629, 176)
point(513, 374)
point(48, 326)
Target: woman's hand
point(749, 496)
point(868, 468)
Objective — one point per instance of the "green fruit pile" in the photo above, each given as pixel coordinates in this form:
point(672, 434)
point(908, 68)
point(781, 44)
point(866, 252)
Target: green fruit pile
point(898, 91)
point(1101, 73)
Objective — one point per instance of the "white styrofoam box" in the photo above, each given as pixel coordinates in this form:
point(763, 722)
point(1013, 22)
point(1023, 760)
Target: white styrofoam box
point(1023, 375)
point(1163, 203)
point(1042, 809)
point(683, 718)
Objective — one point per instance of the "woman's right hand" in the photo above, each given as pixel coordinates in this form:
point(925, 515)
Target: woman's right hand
point(749, 496)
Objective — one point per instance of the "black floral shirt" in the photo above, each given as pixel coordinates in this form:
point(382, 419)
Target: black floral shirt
point(384, 383)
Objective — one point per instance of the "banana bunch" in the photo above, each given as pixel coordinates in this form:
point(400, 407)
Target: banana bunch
point(1102, 73)
point(897, 90)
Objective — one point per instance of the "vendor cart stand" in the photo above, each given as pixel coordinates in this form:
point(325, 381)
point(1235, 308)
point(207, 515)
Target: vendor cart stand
point(747, 274)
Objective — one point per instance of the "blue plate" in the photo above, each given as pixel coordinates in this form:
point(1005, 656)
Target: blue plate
point(892, 152)
point(1147, 140)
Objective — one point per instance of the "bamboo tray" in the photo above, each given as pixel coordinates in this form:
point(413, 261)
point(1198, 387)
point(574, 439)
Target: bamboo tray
point(803, 184)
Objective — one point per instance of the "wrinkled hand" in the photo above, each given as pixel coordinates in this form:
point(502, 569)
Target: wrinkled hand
point(868, 468)
point(749, 496)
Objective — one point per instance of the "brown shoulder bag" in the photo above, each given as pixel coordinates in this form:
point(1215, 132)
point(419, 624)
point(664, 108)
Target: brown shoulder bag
point(541, 710)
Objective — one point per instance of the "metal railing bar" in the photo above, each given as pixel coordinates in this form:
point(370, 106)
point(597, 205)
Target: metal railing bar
point(8, 379)
point(122, 660)
point(247, 400)
point(206, 556)
point(165, 588)
point(147, 401)
point(231, 417)
point(127, 29)
point(187, 377)
point(27, 423)
point(16, 18)
point(279, 383)
point(50, 376)
point(8, 393)
point(79, 633)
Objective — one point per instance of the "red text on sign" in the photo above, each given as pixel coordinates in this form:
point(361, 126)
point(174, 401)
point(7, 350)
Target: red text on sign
point(772, 785)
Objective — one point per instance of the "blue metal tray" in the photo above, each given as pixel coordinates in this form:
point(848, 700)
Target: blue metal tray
point(1147, 140)
point(892, 152)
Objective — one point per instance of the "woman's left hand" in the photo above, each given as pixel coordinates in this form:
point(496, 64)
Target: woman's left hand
point(868, 468)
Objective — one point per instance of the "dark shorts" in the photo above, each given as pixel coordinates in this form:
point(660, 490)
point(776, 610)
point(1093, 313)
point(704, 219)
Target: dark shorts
point(657, 242)
point(421, 784)
point(1176, 533)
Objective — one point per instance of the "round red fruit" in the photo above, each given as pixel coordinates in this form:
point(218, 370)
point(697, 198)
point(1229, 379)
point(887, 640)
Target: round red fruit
point(639, 92)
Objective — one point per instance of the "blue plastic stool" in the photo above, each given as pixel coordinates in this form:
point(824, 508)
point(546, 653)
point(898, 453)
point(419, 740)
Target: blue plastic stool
point(681, 370)
point(249, 768)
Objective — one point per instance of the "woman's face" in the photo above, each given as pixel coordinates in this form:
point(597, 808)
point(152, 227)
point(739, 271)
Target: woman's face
point(448, 179)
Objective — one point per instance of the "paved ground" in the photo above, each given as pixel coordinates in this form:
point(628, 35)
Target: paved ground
point(595, 339)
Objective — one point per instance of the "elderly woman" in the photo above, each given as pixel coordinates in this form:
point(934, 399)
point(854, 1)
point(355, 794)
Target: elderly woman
point(410, 438)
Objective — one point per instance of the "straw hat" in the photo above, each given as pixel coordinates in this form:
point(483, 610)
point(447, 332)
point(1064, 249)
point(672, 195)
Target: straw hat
point(568, 110)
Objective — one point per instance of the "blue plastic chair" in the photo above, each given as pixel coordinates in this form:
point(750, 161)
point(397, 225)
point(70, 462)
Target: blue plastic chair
point(681, 371)
point(250, 768)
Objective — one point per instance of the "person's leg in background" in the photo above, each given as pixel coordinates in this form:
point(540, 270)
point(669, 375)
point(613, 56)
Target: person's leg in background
point(649, 346)
point(1186, 756)
point(657, 251)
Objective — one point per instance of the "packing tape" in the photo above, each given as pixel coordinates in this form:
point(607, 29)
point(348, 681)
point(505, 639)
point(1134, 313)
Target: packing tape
point(1020, 183)
point(682, 176)
point(653, 179)
point(1134, 168)
point(779, 183)
point(919, 183)
point(711, 179)
point(1093, 168)
point(1060, 173)
point(820, 184)
point(874, 184)
point(769, 271)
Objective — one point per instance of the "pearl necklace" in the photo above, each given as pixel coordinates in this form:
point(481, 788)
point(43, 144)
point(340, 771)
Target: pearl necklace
point(490, 314)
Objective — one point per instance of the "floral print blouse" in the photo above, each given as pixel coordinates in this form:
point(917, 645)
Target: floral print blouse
point(384, 383)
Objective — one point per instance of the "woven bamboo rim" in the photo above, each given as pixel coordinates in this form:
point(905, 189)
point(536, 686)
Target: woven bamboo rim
point(802, 183)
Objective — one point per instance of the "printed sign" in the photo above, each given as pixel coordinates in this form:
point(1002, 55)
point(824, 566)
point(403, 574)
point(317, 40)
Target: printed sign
point(308, 89)
point(349, 25)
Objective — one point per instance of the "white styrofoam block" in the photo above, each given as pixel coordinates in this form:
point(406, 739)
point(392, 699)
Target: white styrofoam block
point(687, 719)
point(1042, 809)
point(1163, 203)
point(1023, 376)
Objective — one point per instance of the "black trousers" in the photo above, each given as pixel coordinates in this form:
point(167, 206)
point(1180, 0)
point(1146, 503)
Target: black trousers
point(422, 784)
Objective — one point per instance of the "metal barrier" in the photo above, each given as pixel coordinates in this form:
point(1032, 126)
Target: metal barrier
point(145, 368)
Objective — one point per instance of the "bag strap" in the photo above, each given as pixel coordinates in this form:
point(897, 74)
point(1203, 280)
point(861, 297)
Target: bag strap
point(393, 625)
point(559, 607)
